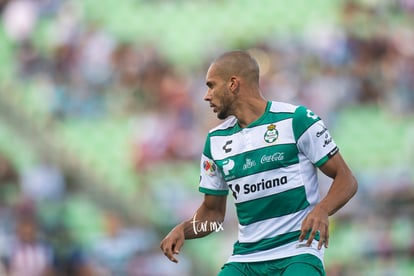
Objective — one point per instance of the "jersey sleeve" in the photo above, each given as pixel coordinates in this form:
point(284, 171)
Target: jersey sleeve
point(211, 180)
point(312, 136)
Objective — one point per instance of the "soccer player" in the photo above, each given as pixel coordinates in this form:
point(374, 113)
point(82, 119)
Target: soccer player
point(266, 154)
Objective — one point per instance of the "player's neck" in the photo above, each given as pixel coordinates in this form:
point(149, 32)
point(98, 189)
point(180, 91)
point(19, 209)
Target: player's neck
point(251, 110)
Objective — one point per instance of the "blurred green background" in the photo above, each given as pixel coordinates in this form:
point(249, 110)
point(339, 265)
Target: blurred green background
point(102, 122)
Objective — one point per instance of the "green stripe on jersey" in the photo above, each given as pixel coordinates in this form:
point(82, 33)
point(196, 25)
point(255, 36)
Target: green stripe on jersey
point(262, 159)
point(273, 206)
point(207, 148)
point(265, 244)
point(213, 192)
point(322, 161)
point(302, 120)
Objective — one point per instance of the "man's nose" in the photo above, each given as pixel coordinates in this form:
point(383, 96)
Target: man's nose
point(207, 96)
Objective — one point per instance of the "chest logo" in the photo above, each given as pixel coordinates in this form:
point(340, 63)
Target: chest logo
point(228, 165)
point(271, 134)
point(227, 147)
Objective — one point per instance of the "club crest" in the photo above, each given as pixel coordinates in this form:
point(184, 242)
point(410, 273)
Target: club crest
point(271, 134)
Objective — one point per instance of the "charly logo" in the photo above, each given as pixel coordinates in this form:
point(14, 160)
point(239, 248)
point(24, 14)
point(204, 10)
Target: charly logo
point(271, 134)
point(226, 147)
point(209, 167)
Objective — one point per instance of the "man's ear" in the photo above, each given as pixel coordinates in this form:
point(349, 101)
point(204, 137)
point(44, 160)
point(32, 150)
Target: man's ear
point(234, 84)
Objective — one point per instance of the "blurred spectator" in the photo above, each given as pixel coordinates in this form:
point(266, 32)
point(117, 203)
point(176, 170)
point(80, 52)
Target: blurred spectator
point(125, 97)
point(71, 257)
point(3, 4)
point(164, 132)
point(94, 61)
point(19, 19)
point(153, 264)
point(29, 60)
point(9, 194)
point(81, 72)
point(153, 67)
point(127, 63)
point(44, 182)
point(114, 249)
point(8, 173)
point(28, 254)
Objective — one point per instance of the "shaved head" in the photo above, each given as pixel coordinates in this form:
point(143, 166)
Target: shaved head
point(233, 86)
point(238, 63)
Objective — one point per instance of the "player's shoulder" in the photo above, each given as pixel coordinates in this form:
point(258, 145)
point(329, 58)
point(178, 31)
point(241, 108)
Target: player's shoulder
point(282, 107)
point(227, 125)
point(297, 111)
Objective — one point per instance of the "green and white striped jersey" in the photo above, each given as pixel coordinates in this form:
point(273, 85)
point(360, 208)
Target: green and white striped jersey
point(270, 169)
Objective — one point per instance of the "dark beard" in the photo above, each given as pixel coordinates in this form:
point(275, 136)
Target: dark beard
point(222, 115)
point(225, 111)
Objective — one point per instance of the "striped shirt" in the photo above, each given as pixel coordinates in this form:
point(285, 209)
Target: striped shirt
point(270, 169)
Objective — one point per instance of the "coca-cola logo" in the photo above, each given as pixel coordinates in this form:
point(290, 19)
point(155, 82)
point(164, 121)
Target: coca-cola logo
point(277, 156)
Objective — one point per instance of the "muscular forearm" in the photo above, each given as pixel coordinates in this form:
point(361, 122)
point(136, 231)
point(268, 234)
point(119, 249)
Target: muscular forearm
point(208, 218)
point(341, 191)
point(202, 224)
point(343, 188)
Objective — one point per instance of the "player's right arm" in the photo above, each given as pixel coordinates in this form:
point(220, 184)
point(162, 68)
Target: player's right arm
point(211, 212)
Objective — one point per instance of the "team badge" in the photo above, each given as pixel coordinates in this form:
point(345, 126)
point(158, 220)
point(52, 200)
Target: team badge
point(271, 134)
point(209, 167)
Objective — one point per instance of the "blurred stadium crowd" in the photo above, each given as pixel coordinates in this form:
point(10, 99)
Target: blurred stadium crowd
point(101, 138)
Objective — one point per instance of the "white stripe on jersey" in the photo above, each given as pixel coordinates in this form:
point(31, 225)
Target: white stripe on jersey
point(266, 229)
point(251, 140)
point(287, 250)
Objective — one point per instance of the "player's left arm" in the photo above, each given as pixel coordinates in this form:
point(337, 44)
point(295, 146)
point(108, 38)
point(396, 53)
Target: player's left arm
point(344, 184)
point(343, 188)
